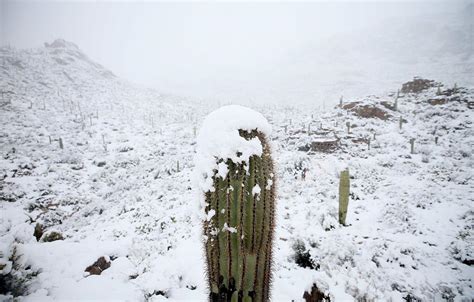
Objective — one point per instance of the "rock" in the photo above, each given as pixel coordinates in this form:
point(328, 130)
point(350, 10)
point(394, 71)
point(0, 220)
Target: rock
point(417, 85)
point(367, 111)
point(322, 144)
point(439, 101)
point(52, 236)
point(98, 267)
point(388, 105)
point(100, 163)
point(316, 295)
point(38, 231)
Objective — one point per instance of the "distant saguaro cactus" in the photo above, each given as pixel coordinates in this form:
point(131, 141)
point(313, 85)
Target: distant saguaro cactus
point(400, 123)
point(412, 145)
point(61, 143)
point(348, 125)
point(344, 188)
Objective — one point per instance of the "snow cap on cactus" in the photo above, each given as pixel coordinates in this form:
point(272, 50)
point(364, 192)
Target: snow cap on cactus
point(219, 138)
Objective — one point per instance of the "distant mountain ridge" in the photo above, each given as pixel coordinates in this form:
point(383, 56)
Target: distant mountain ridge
point(49, 66)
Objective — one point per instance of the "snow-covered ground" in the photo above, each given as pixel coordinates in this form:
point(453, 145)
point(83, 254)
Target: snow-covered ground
point(121, 187)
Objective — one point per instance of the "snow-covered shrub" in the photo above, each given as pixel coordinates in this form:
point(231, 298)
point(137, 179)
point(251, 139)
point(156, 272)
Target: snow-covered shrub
point(15, 275)
point(302, 257)
point(425, 154)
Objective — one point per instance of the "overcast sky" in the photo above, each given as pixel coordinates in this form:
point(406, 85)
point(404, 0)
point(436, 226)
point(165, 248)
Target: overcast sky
point(195, 48)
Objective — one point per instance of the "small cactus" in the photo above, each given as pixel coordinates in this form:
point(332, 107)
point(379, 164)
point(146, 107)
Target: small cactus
point(239, 227)
point(412, 145)
point(61, 143)
point(348, 125)
point(344, 188)
point(104, 143)
point(400, 123)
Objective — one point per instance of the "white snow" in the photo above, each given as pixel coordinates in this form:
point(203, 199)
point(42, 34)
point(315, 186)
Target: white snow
point(409, 224)
point(256, 190)
point(219, 138)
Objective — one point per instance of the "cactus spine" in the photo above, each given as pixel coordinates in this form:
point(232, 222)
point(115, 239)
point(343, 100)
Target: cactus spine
point(239, 228)
point(344, 187)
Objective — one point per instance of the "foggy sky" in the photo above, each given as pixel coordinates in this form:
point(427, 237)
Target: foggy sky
point(198, 48)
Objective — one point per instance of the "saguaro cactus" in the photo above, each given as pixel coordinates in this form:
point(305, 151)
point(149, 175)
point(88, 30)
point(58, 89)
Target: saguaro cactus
point(239, 225)
point(344, 188)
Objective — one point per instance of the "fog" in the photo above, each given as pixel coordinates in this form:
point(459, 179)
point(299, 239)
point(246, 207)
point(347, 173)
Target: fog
point(276, 52)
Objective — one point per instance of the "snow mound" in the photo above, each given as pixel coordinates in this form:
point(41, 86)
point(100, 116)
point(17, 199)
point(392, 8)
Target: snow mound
point(219, 138)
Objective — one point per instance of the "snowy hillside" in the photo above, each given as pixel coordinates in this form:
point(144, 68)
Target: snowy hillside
point(92, 166)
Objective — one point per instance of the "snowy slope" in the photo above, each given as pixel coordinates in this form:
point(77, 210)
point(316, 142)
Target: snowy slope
point(121, 188)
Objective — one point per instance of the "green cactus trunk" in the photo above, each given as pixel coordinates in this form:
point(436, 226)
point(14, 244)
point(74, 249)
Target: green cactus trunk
point(344, 187)
point(240, 233)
